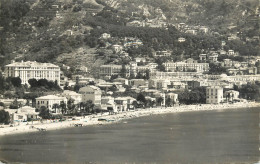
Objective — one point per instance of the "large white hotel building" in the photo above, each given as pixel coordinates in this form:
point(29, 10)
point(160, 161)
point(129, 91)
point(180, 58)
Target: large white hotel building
point(33, 70)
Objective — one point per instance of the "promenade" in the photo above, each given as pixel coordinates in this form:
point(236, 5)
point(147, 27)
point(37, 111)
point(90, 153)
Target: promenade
point(99, 119)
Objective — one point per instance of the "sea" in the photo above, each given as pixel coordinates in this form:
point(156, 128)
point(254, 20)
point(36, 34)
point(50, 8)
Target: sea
point(221, 137)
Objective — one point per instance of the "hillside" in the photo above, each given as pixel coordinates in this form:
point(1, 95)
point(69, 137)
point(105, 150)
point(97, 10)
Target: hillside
point(62, 31)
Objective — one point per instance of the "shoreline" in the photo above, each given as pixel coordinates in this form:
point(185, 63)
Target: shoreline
point(110, 119)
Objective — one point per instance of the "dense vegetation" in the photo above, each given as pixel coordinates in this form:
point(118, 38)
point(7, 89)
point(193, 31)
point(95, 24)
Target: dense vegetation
point(250, 91)
point(4, 117)
point(195, 96)
point(43, 85)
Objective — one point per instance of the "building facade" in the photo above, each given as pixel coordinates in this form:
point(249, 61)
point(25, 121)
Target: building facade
point(33, 70)
point(214, 95)
point(49, 101)
point(188, 66)
point(92, 93)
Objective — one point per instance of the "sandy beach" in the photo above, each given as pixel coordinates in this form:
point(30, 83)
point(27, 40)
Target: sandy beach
point(99, 119)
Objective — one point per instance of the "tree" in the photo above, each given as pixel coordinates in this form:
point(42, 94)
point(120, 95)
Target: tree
point(14, 105)
point(135, 104)
point(71, 106)
point(169, 102)
point(110, 110)
point(33, 82)
point(147, 74)
point(44, 113)
point(4, 117)
point(216, 69)
point(141, 98)
point(88, 106)
point(2, 104)
point(55, 107)
point(123, 71)
point(63, 107)
point(196, 95)
point(139, 76)
point(159, 101)
point(16, 81)
point(250, 91)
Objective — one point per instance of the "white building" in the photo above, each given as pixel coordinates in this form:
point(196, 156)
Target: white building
point(24, 113)
point(105, 36)
point(117, 48)
point(231, 95)
point(204, 29)
point(214, 95)
point(162, 53)
point(49, 101)
point(203, 57)
point(187, 66)
point(172, 96)
point(181, 40)
point(231, 52)
point(33, 70)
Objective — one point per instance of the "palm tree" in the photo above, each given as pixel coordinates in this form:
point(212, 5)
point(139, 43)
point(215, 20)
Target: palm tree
point(153, 103)
point(71, 106)
point(159, 101)
point(63, 107)
point(55, 107)
point(169, 102)
point(89, 106)
point(82, 107)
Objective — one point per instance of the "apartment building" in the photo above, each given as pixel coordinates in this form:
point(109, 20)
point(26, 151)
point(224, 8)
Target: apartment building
point(132, 68)
point(175, 75)
point(187, 66)
point(92, 93)
point(33, 70)
point(112, 69)
point(214, 95)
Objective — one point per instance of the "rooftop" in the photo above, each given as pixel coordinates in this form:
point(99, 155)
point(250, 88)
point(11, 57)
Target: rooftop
point(52, 97)
point(31, 64)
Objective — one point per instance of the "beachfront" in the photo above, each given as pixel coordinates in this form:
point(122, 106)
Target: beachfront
point(108, 119)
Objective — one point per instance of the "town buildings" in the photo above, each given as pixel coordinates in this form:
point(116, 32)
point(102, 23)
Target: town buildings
point(132, 68)
point(33, 70)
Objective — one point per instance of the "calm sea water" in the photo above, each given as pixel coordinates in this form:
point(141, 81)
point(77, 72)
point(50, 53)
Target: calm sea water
point(230, 136)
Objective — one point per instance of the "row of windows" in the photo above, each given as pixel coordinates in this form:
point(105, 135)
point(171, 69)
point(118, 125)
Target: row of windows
point(88, 92)
point(42, 102)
